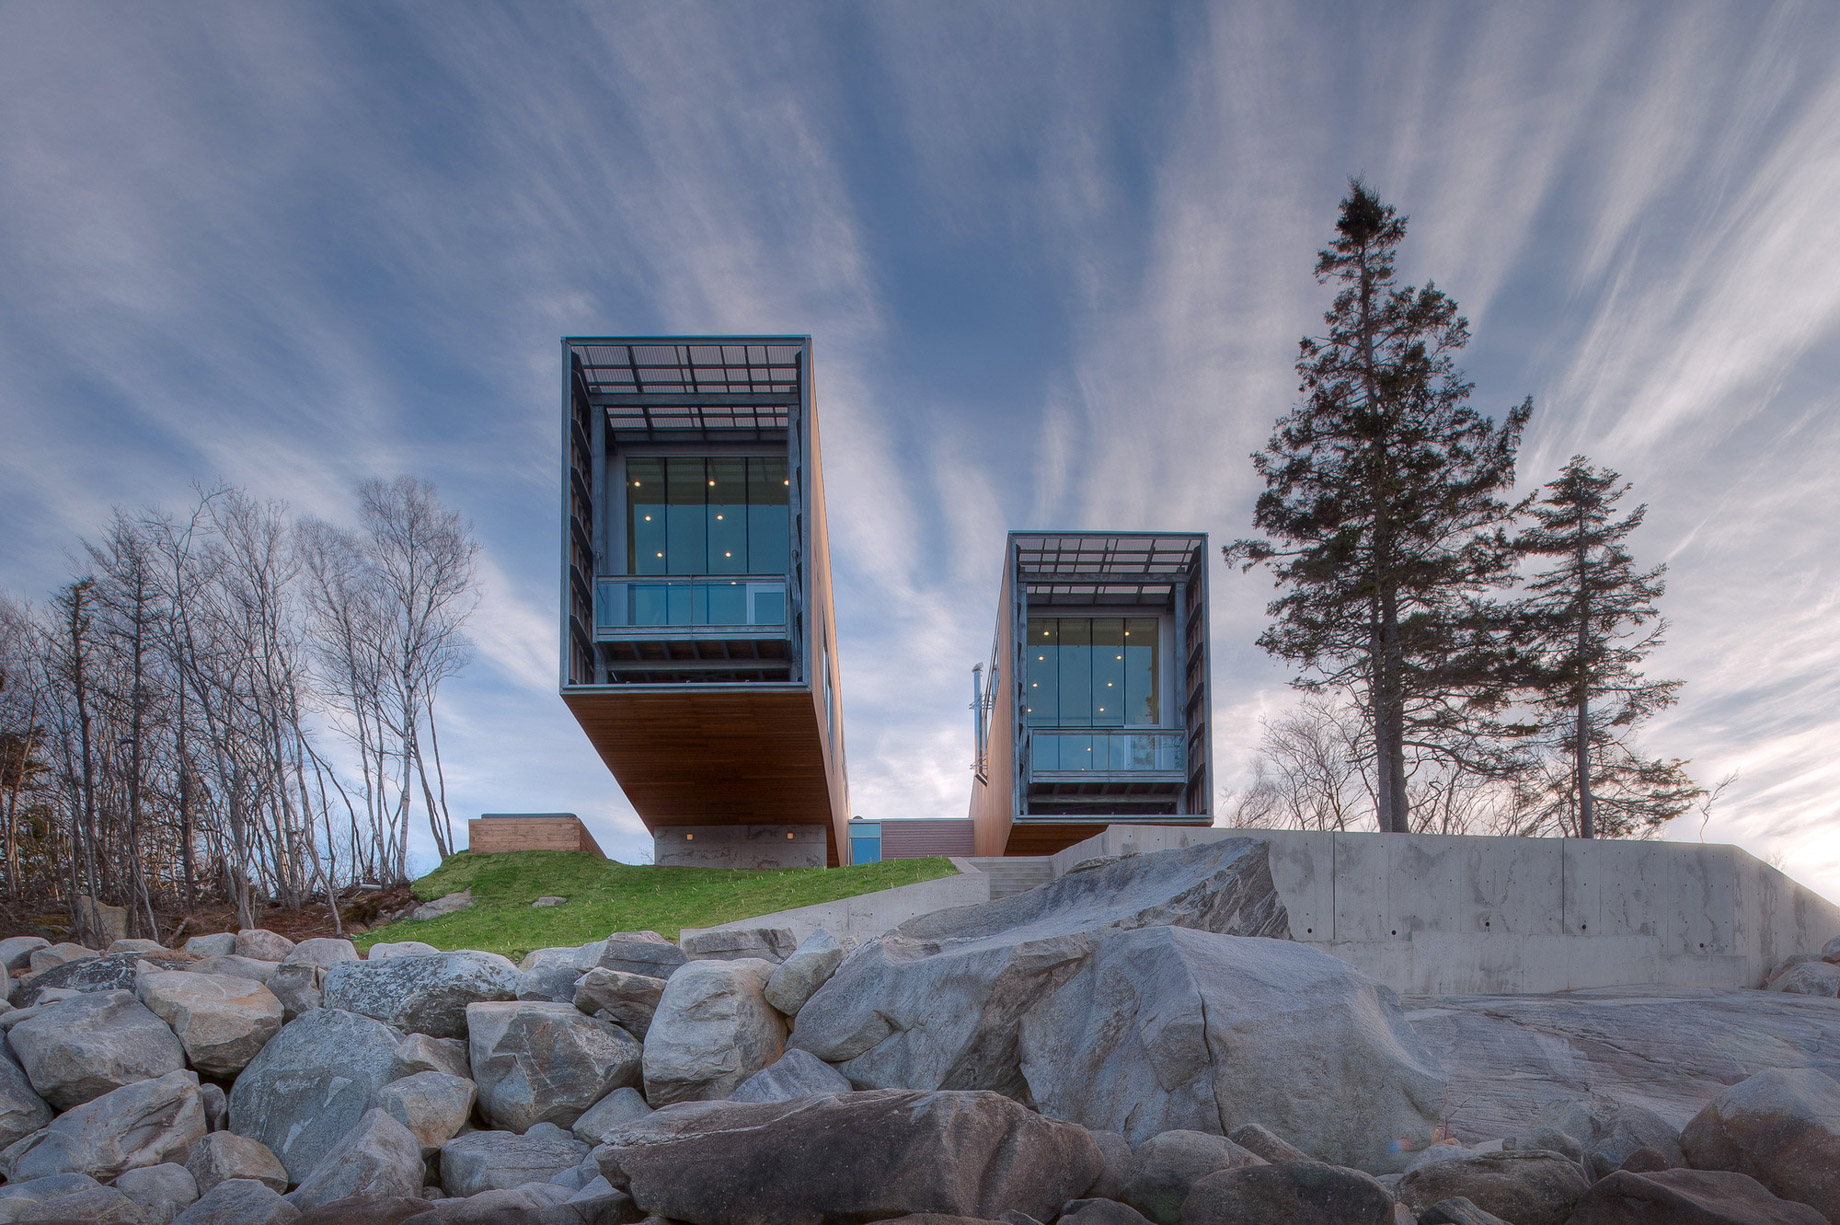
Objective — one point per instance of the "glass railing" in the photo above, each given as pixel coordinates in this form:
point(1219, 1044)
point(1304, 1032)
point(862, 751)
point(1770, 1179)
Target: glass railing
point(1112, 751)
point(740, 600)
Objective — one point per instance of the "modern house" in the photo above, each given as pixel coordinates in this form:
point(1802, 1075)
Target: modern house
point(698, 642)
point(1093, 709)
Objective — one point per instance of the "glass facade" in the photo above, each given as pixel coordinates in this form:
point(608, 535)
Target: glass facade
point(700, 516)
point(1092, 672)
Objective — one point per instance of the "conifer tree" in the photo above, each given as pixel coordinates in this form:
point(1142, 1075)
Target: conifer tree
point(1382, 507)
point(1589, 621)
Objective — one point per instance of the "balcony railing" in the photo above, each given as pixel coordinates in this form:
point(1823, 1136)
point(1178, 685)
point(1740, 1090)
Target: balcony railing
point(692, 601)
point(1109, 751)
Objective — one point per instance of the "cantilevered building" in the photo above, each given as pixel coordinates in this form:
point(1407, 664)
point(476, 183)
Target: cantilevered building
point(1093, 709)
point(698, 643)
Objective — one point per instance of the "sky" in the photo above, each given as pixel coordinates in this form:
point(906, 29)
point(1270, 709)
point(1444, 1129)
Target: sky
point(1055, 259)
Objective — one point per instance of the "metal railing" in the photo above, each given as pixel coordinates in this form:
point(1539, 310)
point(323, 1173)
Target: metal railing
point(1112, 751)
point(670, 601)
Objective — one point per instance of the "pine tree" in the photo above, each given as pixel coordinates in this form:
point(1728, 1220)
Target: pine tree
point(1382, 505)
point(1589, 621)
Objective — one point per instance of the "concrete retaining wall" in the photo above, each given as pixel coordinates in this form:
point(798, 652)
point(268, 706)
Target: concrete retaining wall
point(868, 915)
point(739, 846)
point(1430, 914)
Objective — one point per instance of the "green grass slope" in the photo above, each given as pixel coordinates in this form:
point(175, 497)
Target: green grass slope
point(605, 896)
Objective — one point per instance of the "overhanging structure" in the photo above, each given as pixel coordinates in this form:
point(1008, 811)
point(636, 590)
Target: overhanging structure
point(698, 641)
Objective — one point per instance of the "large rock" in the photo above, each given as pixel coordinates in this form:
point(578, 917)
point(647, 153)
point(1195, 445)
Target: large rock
point(16, 951)
point(78, 1049)
point(262, 944)
point(809, 967)
point(447, 903)
point(1781, 1127)
point(850, 1157)
point(938, 1002)
point(297, 987)
point(14, 1196)
point(646, 953)
point(243, 967)
point(713, 1029)
point(321, 951)
point(50, 956)
point(116, 972)
point(1164, 1028)
point(1165, 1168)
point(1687, 1197)
point(1527, 1188)
point(1609, 1133)
point(378, 1157)
point(607, 1116)
point(530, 1204)
point(398, 948)
point(1670, 1049)
point(390, 1210)
point(432, 1105)
point(240, 1201)
point(499, 1160)
point(549, 974)
point(104, 1205)
point(628, 1000)
point(537, 1062)
point(147, 1123)
point(1290, 1193)
point(312, 1083)
point(773, 944)
point(795, 1074)
point(222, 1020)
point(224, 1155)
point(1456, 1211)
point(1809, 978)
point(426, 994)
point(162, 1191)
point(420, 1053)
point(215, 944)
point(22, 1110)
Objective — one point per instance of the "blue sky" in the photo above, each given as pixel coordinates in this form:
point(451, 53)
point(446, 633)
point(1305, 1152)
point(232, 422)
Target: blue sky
point(1055, 258)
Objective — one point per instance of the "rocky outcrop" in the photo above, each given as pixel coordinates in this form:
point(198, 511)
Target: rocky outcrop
point(1527, 1188)
point(80, 1048)
point(425, 994)
point(499, 1160)
point(1289, 1193)
point(1687, 1197)
point(1165, 1168)
point(1608, 1133)
point(312, 1083)
point(773, 944)
point(1782, 1128)
point(221, 1020)
point(117, 972)
point(146, 1123)
point(545, 1063)
point(809, 967)
point(378, 1157)
point(938, 1002)
point(792, 1163)
point(713, 1029)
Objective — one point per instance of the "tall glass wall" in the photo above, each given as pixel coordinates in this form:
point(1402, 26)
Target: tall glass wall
point(1092, 672)
point(691, 516)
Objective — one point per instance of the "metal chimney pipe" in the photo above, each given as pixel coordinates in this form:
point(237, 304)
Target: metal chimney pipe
point(977, 718)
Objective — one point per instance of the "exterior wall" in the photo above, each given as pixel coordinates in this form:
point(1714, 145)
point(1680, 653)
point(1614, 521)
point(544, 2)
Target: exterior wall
point(818, 558)
point(1430, 914)
point(869, 915)
point(548, 832)
point(993, 794)
point(915, 839)
point(739, 846)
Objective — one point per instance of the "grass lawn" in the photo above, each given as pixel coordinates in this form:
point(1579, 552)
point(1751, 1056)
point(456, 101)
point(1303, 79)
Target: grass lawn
point(605, 896)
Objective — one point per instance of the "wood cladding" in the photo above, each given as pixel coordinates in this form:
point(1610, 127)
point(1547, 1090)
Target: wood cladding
point(1044, 838)
point(487, 835)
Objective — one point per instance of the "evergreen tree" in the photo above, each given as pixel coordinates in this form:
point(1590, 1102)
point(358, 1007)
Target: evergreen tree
point(1589, 621)
point(1382, 507)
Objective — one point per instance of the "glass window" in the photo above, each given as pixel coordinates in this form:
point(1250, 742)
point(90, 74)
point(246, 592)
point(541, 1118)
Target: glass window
point(1108, 671)
point(645, 516)
point(687, 526)
point(728, 516)
point(1142, 702)
point(768, 538)
point(1043, 697)
point(693, 516)
point(1091, 672)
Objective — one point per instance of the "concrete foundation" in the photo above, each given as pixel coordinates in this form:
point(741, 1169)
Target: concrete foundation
point(739, 846)
point(868, 915)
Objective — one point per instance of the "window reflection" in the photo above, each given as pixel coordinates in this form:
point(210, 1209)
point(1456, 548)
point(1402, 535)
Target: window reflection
point(693, 515)
point(1091, 672)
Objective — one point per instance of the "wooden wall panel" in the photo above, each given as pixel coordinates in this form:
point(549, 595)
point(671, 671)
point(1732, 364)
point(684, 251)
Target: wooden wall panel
point(488, 835)
point(993, 797)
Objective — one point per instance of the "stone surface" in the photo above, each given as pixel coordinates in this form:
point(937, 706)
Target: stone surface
point(398, 948)
point(548, 900)
point(420, 1053)
point(50, 956)
point(321, 951)
point(1115, 1153)
point(773, 944)
point(432, 1105)
point(388, 1210)
point(92, 974)
point(1609, 1133)
point(1166, 1027)
point(1457, 1211)
point(98, 1204)
point(16, 951)
point(1830, 951)
point(1670, 1049)
point(495, 1160)
point(426, 994)
point(630, 1000)
point(216, 1105)
point(231, 963)
point(1526, 1188)
point(262, 944)
point(221, 1020)
point(608, 1115)
point(223, 1155)
point(378, 1157)
point(142, 948)
point(216, 944)
point(447, 903)
point(1687, 1197)
point(552, 979)
point(1099, 1211)
point(646, 953)
point(939, 1001)
point(1164, 1168)
point(850, 1157)
point(809, 967)
point(1289, 1193)
point(162, 1191)
point(36, 1190)
point(240, 1201)
point(1261, 1141)
point(532, 1204)
point(78, 1049)
point(98, 923)
point(297, 987)
point(312, 1083)
point(147, 1123)
point(794, 1074)
point(713, 1029)
point(1810, 978)
point(545, 1063)
point(1781, 1127)
point(22, 1110)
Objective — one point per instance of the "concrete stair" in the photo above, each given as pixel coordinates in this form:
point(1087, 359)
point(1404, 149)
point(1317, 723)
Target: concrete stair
point(1014, 874)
